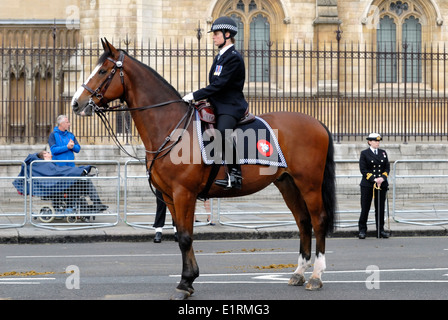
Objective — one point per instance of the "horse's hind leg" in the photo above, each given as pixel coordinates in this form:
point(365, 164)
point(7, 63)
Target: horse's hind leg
point(318, 215)
point(296, 204)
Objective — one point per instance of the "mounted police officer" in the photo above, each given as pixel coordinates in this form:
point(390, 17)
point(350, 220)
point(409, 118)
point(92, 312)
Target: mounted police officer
point(374, 166)
point(225, 93)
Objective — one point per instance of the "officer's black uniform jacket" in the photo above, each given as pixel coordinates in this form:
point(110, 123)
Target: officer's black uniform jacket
point(225, 91)
point(373, 166)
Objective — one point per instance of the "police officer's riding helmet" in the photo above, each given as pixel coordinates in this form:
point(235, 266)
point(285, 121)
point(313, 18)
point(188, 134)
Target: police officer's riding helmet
point(225, 24)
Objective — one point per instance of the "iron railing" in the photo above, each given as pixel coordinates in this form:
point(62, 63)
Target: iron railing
point(343, 85)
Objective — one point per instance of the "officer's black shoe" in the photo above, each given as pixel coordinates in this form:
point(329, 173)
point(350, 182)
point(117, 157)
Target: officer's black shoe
point(234, 180)
point(362, 235)
point(158, 237)
point(384, 234)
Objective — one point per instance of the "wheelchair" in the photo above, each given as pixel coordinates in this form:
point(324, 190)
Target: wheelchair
point(70, 205)
point(66, 206)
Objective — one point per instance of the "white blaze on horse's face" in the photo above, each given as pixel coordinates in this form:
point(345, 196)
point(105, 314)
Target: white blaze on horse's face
point(81, 88)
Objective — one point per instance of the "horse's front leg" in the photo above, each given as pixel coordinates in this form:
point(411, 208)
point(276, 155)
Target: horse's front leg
point(184, 206)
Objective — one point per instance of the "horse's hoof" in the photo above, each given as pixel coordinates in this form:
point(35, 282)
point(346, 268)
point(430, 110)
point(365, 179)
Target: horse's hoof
point(296, 280)
point(180, 295)
point(314, 284)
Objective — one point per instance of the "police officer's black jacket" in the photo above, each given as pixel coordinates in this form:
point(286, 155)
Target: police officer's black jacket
point(373, 166)
point(225, 91)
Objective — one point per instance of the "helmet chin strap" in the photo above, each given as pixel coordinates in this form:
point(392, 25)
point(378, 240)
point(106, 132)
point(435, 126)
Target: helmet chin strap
point(225, 40)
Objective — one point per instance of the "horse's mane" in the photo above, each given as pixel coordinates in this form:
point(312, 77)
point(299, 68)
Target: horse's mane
point(105, 55)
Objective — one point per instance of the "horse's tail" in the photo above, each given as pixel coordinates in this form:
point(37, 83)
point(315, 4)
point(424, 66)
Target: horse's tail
point(329, 185)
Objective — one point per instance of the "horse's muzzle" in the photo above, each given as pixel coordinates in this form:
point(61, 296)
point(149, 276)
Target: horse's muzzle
point(83, 111)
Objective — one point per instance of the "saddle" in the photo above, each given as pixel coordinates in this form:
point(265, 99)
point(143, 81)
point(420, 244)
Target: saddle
point(207, 117)
point(207, 114)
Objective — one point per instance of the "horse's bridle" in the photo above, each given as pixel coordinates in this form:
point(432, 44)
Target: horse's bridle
point(103, 86)
point(101, 109)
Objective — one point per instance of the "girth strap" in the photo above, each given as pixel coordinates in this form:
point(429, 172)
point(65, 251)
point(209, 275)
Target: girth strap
point(203, 195)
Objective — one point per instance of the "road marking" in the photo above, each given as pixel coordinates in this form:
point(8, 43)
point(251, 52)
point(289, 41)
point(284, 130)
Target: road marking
point(271, 278)
point(23, 280)
point(151, 255)
point(326, 272)
point(325, 281)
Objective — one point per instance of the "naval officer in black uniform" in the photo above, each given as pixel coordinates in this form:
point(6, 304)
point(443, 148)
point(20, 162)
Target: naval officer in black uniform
point(225, 92)
point(374, 166)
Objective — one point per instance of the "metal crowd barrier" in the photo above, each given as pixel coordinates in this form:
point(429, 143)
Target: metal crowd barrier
point(139, 205)
point(423, 202)
point(68, 203)
point(349, 210)
point(414, 202)
point(13, 206)
point(268, 209)
point(262, 209)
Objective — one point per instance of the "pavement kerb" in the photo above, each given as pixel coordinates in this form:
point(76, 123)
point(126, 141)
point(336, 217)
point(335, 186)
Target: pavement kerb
point(29, 234)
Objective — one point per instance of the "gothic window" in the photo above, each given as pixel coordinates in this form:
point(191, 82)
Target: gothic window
point(253, 18)
point(259, 45)
point(399, 43)
point(386, 46)
point(412, 45)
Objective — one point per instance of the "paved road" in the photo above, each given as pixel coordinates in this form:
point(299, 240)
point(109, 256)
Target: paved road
point(395, 268)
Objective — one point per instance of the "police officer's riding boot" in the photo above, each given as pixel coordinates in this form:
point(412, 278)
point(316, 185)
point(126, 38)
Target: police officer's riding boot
point(234, 178)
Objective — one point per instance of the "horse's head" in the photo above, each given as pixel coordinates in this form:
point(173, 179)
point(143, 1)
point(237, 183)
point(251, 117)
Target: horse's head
point(101, 86)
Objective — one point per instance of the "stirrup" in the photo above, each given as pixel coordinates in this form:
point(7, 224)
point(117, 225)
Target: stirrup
point(225, 183)
point(233, 180)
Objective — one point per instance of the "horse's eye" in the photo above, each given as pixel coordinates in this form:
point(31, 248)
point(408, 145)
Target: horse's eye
point(102, 71)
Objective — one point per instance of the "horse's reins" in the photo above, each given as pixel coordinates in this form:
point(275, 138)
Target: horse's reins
point(101, 111)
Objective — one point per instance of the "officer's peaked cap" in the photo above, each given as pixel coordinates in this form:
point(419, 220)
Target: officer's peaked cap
point(374, 136)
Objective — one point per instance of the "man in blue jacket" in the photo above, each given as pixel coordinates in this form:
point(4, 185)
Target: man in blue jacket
point(63, 143)
point(225, 93)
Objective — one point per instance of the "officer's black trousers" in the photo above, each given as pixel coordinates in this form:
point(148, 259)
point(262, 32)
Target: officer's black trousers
point(159, 221)
point(366, 201)
point(223, 124)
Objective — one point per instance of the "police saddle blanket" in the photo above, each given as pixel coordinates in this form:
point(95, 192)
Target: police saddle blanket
point(256, 143)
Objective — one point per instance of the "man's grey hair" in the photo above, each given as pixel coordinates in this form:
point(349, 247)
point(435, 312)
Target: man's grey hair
point(60, 118)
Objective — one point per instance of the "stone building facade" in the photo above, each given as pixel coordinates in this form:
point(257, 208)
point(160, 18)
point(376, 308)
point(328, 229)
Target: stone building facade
point(373, 25)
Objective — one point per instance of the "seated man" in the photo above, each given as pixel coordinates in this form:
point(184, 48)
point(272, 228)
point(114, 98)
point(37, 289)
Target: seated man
point(49, 187)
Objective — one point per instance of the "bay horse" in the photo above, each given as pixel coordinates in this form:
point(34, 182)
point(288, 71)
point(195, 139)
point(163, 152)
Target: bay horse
point(307, 184)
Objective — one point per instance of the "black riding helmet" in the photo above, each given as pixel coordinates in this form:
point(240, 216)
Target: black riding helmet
point(225, 24)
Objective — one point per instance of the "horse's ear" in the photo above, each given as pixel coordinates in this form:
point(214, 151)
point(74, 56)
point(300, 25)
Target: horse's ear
point(106, 45)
